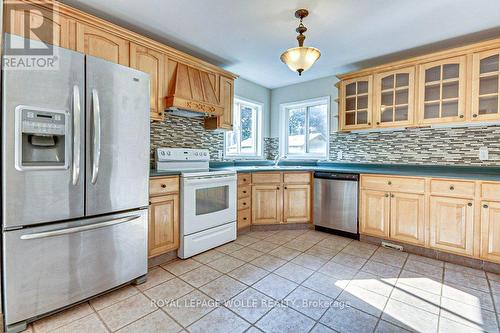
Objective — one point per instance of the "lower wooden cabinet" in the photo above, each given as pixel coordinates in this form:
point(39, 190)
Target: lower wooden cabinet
point(281, 197)
point(408, 217)
point(375, 213)
point(490, 231)
point(266, 204)
point(297, 203)
point(452, 224)
point(163, 232)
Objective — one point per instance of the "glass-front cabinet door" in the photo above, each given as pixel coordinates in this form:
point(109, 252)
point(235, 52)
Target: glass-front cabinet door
point(442, 91)
point(485, 85)
point(356, 103)
point(394, 98)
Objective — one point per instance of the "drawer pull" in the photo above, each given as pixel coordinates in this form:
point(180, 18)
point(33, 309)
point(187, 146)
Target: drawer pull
point(452, 188)
point(163, 185)
point(485, 206)
point(469, 204)
point(389, 183)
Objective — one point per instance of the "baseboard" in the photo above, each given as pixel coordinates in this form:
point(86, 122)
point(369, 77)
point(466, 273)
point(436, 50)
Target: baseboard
point(162, 259)
point(284, 226)
point(438, 255)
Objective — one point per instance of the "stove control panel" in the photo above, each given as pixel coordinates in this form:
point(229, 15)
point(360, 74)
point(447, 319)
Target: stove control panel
point(181, 154)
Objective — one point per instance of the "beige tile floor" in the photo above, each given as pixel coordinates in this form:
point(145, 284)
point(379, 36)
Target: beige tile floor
point(295, 281)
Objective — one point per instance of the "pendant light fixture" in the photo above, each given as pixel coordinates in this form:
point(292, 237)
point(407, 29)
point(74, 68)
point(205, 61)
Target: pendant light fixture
point(300, 58)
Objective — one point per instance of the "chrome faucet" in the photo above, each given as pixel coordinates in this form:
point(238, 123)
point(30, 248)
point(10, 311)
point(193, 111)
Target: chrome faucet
point(277, 159)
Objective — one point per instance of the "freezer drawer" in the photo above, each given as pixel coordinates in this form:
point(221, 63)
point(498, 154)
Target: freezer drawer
point(49, 267)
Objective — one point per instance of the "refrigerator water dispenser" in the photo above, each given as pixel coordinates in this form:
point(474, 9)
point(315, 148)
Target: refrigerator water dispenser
point(42, 138)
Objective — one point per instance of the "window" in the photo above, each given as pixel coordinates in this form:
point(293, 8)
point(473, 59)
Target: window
point(246, 138)
point(305, 128)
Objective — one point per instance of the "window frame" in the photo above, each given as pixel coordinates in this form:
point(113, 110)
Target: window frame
point(259, 141)
point(284, 118)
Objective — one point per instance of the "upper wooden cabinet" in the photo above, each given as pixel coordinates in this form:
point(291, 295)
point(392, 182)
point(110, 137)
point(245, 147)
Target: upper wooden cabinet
point(394, 98)
point(225, 121)
point(442, 91)
point(37, 23)
point(102, 44)
point(485, 85)
point(356, 103)
point(154, 63)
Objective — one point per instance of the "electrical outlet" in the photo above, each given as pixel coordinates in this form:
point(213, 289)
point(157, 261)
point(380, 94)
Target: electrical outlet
point(340, 155)
point(483, 153)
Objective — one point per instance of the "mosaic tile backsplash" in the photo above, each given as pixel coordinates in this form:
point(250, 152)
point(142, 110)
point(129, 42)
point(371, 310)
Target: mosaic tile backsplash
point(182, 132)
point(443, 146)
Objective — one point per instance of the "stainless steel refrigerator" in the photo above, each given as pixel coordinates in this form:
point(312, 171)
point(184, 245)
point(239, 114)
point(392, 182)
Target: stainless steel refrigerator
point(75, 164)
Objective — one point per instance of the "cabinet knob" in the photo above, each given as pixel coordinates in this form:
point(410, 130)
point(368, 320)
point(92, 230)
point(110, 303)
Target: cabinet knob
point(461, 116)
point(485, 206)
point(277, 187)
point(244, 192)
point(452, 188)
point(163, 185)
point(386, 195)
point(244, 179)
point(286, 187)
point(244, 203)
point(474, 115)
point(369, 124)
point(389, 183)
point(392, 195)
point(378, 123)
point(469, 204)
point(244, 219)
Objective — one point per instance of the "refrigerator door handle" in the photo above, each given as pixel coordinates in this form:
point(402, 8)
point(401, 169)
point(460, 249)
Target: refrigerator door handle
point(72, 230)
point(76, 134)
point(97, 135)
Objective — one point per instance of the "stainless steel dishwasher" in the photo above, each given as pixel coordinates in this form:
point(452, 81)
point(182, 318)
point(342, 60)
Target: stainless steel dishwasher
point(336, 202)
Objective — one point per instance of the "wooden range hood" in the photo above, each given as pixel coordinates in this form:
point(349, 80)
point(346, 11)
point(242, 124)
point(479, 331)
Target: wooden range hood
point(193, 89)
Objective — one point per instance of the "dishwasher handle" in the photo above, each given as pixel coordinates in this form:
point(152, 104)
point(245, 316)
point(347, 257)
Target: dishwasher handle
point(336, 175)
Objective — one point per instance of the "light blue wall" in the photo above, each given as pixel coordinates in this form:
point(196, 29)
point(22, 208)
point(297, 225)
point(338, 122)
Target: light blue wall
point(302, 91)
point(252, 91)
point(271, 99)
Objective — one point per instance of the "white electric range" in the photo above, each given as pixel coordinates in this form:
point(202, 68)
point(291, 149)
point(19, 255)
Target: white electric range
point(208, 199)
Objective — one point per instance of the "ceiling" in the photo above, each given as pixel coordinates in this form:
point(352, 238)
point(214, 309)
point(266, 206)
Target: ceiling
point(247, 37)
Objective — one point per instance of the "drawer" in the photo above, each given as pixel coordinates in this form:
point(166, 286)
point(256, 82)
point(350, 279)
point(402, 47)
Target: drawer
point(244, 178)
point(490, 191)
point(458, 188)
point(266, 177)
point(244, 217)
point(395, 184)
point(244, 203)
point(159, 186)
point(296, 177)
point(244, 191)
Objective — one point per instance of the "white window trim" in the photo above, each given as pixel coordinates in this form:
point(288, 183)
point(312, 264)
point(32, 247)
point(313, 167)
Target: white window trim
point(283, 121)
point(259, 132)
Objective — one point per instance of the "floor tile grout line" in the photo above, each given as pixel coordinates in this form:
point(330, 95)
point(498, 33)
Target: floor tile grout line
point(496, 311)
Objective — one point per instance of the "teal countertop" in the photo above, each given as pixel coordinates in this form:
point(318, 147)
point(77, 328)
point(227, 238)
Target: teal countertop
point(444, 171)
point(466, 172)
